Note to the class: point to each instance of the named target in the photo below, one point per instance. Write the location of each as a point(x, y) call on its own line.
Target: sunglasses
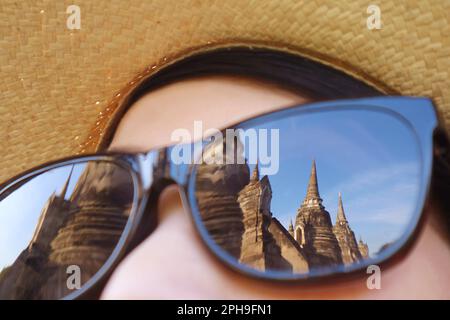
point(307, 193)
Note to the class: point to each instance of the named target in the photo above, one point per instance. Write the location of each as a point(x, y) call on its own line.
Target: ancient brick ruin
point(79, 229)
point(235, 209)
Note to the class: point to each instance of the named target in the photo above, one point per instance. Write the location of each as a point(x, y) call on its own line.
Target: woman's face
point(173, 263)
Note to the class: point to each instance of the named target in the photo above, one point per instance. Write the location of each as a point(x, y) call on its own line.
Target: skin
point(173, 263)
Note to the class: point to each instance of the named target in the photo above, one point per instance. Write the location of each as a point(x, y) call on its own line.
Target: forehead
point(217, 101)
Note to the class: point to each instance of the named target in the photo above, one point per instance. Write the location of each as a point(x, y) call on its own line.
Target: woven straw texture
point(59, 87)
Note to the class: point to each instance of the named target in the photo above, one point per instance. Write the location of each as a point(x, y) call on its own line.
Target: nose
point(167, 263)
point(169, 204)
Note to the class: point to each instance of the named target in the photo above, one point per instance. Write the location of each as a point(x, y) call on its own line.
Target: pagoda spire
point(63, 192)
point(255, 173)
point(312, 192)
point(291, 229)
point(340, 212)
point(313, 188)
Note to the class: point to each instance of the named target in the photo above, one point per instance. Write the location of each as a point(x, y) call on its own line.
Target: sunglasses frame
point(143, 217)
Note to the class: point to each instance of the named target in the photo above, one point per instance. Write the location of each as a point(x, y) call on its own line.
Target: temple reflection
point(81, 228)
point(235, 207)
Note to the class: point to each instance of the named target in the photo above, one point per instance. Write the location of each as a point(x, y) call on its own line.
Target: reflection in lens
point(59, 227)
point(367, 165)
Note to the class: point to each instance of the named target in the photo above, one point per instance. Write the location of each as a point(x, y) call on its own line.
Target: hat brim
point(60, 87)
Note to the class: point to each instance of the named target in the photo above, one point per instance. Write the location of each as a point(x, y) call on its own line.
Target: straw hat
point(60, 87)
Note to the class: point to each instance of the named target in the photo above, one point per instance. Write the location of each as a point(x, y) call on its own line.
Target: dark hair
point(310, 78)
point(304, 76)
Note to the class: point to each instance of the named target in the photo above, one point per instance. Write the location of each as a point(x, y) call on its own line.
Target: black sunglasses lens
point(314, 193)
point(59, 227)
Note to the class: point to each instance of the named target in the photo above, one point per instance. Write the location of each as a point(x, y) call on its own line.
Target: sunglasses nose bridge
point(158, 171)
